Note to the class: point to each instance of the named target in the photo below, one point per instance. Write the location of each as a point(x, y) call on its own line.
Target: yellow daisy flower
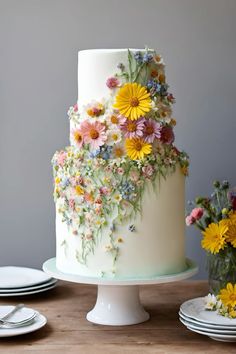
point(79, 190)
point(214, 236)
point(133, 101)
point(137, 148)
point(57, 180)
point(228, 295)
point(232, 313)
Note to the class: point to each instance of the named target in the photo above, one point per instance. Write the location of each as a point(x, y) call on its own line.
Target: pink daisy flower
point(77, 137)
point(93, 133)
point(152, 130)
point(133, 128)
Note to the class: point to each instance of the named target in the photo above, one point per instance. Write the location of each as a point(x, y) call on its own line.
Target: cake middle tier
point(151, 243)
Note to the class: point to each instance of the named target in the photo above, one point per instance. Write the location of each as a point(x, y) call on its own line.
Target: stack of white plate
point(18, 281)
point(194, 316)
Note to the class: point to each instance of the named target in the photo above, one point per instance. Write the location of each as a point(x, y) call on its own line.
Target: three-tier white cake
point(119, 187)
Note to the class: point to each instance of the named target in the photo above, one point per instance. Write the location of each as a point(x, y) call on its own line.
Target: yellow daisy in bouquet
point(215, 216)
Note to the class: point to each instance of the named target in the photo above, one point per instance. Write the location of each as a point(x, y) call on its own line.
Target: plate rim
point(39, 286)
point(205, 324)
point(29, 292)
point(25, 269)
point(213, 334)
point(211, 330)
point(28, 329)
point(197, 318)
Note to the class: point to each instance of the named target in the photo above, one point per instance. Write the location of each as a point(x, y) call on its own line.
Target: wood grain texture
point(68, 331)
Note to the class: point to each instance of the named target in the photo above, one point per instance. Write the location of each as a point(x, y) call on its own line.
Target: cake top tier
point(95, 66)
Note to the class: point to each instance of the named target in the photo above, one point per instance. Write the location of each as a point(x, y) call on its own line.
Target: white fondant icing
point(95, 67)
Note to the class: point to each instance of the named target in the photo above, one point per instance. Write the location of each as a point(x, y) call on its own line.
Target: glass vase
point(221, 269)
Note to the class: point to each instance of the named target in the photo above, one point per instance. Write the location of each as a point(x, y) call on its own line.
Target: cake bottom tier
point(156, 246)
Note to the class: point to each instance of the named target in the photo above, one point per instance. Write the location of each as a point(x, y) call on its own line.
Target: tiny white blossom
point(210, 302)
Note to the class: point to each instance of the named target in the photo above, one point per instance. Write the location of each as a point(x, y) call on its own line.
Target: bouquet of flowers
point(215, 216)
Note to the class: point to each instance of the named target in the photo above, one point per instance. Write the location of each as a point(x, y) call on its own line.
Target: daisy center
point(114, 120)
point(134, 102)
point(131, 126)
point(137, 146)
point(232, 297)
point(78, 137)
point(118, 152)
point(115, 137)
point(149, 130)
point(94, 134)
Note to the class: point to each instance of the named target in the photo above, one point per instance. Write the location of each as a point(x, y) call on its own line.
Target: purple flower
point(152, 130)
point(167, 135)
point(133, 128)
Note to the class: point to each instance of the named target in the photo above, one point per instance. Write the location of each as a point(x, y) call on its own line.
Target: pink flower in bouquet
point(93, 133)
point(75, 107)
point(197, 213)
point(61, 158)
point(133, 128)
point(190, 220)
point(112, 82)
point(167, 135)
point(152, 130)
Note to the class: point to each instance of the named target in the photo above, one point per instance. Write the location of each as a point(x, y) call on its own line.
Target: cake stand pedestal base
point(118, 301)
point(118, 306)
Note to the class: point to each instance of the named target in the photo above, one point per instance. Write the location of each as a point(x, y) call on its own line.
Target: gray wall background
point(39, 41)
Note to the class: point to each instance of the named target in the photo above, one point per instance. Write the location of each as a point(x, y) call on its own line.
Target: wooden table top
point(68, 331)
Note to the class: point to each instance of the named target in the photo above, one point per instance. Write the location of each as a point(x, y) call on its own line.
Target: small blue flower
point(147, 58)
point(126, 190)
point(138, 57)
point(65, 182)
point(163, 89)
point(105, 152)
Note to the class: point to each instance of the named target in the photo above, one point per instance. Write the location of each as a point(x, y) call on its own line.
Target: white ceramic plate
point(21, 315)
point(22, 293)
point(207, 325)
point(208, 330)
point(216, 336)
point(38, 322)
point(29, 288)
point(18, 277)
point(194, 309)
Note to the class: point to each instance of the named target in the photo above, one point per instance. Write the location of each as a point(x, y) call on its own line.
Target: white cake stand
point(118, 301)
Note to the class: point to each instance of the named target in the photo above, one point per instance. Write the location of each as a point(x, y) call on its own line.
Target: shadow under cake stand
point(118, 302)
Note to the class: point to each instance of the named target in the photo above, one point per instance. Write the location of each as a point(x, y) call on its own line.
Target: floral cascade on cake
point(118, 145)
